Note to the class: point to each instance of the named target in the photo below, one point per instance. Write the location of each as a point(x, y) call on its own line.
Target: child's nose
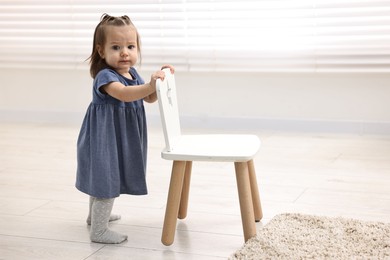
point(124, 52)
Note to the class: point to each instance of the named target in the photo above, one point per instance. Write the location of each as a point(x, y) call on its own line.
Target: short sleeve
point(104, 77)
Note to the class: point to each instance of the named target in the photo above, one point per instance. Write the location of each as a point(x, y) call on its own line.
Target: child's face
point(120, 50)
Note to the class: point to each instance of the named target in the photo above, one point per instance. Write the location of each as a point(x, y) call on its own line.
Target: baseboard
point(288, 125)
point(50, 117)
point(234, 123)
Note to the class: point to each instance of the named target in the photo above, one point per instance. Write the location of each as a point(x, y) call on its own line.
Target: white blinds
point(201, 35)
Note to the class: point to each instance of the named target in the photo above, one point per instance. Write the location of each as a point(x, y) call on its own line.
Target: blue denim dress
point(112, 144)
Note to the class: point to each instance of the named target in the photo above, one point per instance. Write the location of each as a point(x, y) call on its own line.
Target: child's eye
point(116, 48)
point(131, 47)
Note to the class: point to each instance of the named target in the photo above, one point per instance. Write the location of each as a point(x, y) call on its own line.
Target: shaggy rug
point(298, 236)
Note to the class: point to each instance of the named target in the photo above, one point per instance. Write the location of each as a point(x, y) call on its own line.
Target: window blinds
point(200, 35)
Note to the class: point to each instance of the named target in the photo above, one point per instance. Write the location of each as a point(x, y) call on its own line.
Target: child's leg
point(113, 217)
point(101, 211)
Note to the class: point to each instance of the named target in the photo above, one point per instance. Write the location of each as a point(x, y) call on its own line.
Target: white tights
point(100, 215)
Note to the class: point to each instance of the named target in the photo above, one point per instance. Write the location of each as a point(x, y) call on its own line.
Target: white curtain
point(201, 35)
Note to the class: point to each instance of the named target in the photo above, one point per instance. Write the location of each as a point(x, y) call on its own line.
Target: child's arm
point(133, 93)
point(153, 97)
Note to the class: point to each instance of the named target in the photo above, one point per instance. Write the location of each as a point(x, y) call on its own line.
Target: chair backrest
point(169, 113)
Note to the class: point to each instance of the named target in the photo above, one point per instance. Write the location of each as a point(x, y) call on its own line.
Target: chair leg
point(245, 197)
point(173, 202)
point(255, 192)
point(185, 191)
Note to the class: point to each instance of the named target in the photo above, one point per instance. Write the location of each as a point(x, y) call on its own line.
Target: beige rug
point(297, 236)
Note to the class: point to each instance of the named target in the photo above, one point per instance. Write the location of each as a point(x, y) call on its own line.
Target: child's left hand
point(168, 66)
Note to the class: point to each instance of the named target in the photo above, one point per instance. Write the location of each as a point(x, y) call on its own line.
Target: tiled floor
point(42, 215)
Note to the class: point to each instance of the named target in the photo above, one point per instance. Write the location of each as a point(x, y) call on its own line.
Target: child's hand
point(168, 66)
point(160, 75)
point(157, 75)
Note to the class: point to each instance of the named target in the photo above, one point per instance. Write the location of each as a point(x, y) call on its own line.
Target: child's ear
point(100, 51)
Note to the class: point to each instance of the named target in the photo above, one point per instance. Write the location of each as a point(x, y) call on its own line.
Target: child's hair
point(99, 38)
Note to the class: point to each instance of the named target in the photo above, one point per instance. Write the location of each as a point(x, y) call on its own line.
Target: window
point(200, 35)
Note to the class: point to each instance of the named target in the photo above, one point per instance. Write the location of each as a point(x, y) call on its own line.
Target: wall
point(357, 103)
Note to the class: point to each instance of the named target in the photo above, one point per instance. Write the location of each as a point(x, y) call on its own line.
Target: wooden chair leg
point(255, 192)
point(245, 197)
point(185, 191)
point(172, 208)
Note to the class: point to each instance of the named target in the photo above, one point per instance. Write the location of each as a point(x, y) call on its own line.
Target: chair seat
point(213, 147)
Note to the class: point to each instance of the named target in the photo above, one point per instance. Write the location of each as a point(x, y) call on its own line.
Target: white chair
point(184, 149)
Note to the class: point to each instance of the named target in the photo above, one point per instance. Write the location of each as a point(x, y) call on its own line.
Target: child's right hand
point(157, 75)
